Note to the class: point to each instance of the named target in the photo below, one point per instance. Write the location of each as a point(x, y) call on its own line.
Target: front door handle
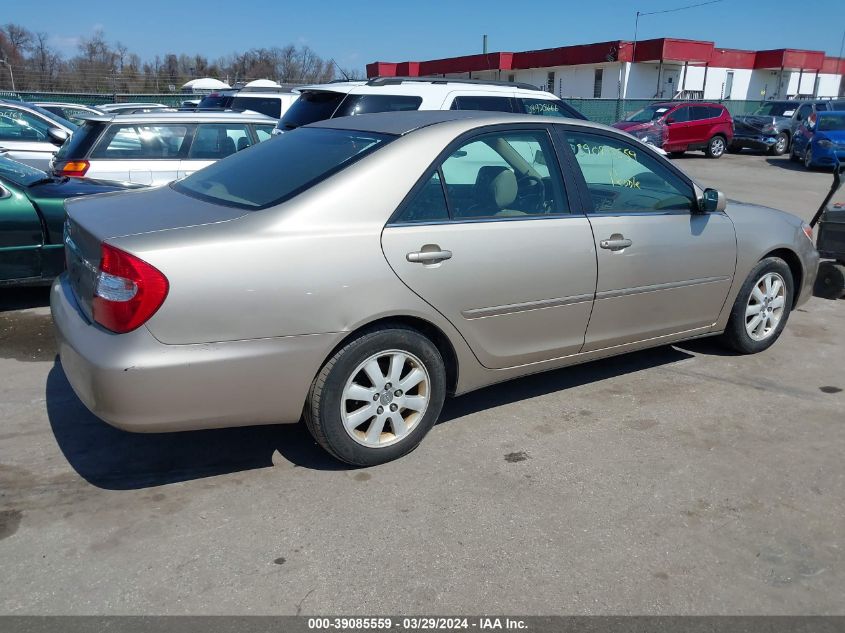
point(615, 242)
point(428, 257)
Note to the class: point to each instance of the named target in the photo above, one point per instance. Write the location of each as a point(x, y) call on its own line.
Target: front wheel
point(715, 147)
point(780, 146)
point(376, 398)
point(761, 308)
point(808, 158)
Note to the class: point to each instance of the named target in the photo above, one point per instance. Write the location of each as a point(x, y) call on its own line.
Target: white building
point(660, 68)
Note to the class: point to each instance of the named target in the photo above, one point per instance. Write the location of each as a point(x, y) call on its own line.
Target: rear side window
point(81, 141)
point(141, 142)
point(549, 107)
point(489, 104)
point(428, 204)
point(364, 104)
point(265, 105)
point(271, 173)
point(219, 140)
point(310, 107)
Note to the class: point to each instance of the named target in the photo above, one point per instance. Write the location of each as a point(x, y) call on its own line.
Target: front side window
point(488, 104)
point(20, 125)
point(507, 174)
point(134, 141)
point(273, 172)
point(218, 140)
point(622, 178)
point(681, 115)
point(365, 104)
point(263, 132)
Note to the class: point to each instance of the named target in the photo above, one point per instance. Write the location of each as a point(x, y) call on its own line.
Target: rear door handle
point(615, 243)
point(428, 257)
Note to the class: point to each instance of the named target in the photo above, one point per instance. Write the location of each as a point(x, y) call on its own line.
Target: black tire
point(781, 145)
point(808, 159)
point(677, 154)
point(830, 282)
point(793, 156)
point(734, 149)
point(323, 410)
point(735, 336)
point(716, 146)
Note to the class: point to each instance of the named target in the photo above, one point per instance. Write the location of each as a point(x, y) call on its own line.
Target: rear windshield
point(311, 106)
point(55, 117)
point(832, 122)
point(271, 106)
point(777, 109)
point(365, 104)
point(80, 141)
point(281, 168)
point(215, 101)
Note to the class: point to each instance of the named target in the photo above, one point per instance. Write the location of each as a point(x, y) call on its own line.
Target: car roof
point(428, 85)
point(181, 117)
point(401, 123)
point(64, 104)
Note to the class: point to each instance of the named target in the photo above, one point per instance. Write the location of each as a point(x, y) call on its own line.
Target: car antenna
point(342, 72)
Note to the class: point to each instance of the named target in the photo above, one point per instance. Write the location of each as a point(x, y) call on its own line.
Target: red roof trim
point(654, 50)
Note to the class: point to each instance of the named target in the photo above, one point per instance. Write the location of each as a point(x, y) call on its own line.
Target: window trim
point(584, 191)
point(569, 183)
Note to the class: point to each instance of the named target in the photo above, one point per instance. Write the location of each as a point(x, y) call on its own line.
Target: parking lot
point(679, 480)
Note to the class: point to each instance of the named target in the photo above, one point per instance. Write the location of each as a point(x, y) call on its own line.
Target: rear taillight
point(129, 291)
point(75, 168)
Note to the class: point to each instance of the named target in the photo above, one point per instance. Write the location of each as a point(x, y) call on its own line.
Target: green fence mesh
point(599, 110)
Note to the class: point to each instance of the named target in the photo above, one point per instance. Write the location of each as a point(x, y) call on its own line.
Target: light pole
point(11, 74)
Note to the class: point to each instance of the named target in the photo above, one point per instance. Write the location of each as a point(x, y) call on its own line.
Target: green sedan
point(32, 218)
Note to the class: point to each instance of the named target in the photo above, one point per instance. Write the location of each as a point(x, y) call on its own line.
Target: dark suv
point(772, 126)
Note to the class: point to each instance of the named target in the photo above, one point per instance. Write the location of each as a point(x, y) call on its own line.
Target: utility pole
point(11, 74)
point(484, 44)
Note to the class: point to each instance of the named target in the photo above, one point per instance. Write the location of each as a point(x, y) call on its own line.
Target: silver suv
point(156, 148)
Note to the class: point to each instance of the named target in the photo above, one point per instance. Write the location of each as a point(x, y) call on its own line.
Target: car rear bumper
point(136, 383)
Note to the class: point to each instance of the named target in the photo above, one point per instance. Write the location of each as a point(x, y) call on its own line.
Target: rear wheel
point(377, 397)
point(761, 308)
point(715, 147)
point(780, 146)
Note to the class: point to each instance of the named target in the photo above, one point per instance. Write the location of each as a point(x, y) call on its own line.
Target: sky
point(356, 33)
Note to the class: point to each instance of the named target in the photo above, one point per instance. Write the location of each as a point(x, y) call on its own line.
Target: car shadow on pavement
point(109, 458)
point(112, 459)
point(24, 298)
point(559, 379)
point(784, 163)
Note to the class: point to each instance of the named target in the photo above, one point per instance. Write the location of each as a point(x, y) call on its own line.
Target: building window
point(597, 83)
point(550, 82)
point(729, 84)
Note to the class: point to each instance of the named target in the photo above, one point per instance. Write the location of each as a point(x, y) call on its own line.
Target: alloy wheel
point(385, 398)
point(765, 307)
point(780, 146)
point(717, 146)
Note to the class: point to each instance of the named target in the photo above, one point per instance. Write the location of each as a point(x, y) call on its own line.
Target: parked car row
point(776, 127)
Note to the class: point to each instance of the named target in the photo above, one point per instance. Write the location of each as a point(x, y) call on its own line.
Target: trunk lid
point(92, 221)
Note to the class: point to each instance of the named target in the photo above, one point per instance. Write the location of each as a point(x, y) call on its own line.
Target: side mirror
point(669, 121)
point(714, 201)
point(57, 135)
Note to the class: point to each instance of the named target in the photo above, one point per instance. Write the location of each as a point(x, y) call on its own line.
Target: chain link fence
point(609, 111)
point(599, 110)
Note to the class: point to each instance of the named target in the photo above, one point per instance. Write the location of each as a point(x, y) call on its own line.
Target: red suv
point(678, 126)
